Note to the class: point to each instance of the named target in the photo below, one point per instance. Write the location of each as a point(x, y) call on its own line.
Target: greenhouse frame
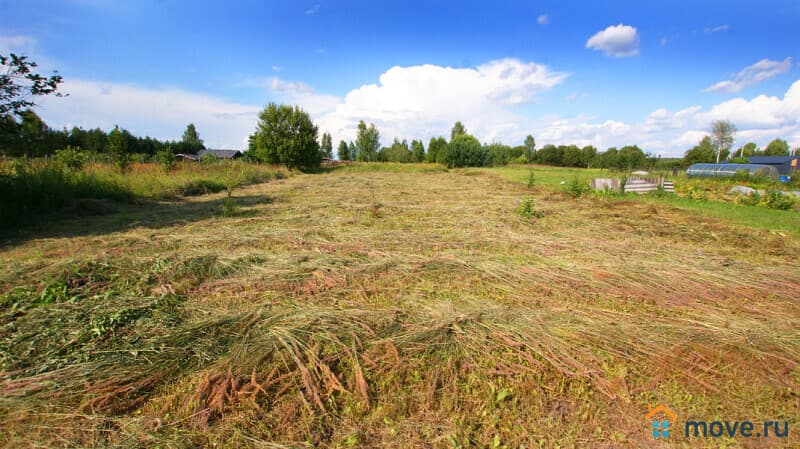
point(727, 170)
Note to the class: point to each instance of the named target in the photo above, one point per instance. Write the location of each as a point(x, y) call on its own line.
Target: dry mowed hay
point(395, 308)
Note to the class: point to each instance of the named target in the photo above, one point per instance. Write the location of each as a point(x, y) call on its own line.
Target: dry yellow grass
point(361, 308)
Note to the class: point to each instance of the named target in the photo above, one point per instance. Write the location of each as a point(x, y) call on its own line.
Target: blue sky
point(603, 73)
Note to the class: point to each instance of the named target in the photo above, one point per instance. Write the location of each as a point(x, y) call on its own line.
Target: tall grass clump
point(30, 189)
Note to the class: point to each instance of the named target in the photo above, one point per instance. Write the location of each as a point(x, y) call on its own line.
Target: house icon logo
point(660, 418)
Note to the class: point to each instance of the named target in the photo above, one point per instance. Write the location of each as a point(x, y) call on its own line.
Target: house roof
point(776, 160)
point(223, 154)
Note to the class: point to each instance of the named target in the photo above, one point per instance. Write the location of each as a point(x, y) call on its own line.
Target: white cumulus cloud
point(759, 119)
point(617, 40)
point(752, 74)
point(422, 101)
point(158, 112)
point(543, 19)
point(425, 100)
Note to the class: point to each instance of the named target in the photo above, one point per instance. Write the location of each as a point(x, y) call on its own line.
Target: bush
point(527, 208)
point(520, 160)
point(208, 158)
point(72, 158)
point(122, 161)
point(775, 199)
point(465, 151)
point(166, 158)
point(752, 199)
point(576, 188)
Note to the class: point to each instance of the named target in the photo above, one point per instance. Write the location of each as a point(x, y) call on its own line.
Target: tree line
point(286, 135)
point(29, 135)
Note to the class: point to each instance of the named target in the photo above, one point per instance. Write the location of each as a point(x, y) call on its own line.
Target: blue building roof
point(771, 160)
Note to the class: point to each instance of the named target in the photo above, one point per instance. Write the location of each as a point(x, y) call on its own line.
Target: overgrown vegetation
point(30, 191)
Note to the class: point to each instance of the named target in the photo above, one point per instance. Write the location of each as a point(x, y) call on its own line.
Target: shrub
point(166, 158)
point(122, 161)
point(527, 208)
point(72, 158)
point(576, 188)
point(775, 199)
point(752, 199)
point(208, 158)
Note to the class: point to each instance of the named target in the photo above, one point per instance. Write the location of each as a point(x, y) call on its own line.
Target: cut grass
point(396, 308)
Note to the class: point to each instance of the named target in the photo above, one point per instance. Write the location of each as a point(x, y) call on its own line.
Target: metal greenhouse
point(731, 169)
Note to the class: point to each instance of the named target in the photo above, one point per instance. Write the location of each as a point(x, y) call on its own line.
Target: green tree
point(703, 152)
point(465, 151)
point(777, 147)
point(397, 152)
point(118, 148)
point(417, 151)
point(530, 148)
point(19, 83)
point(343, 152)
point(436, 150)
point(326, 146)
point(33, 133)
point(722, 132)
point(353, 150)
point(286, 135)
point(166, 158)
point(458, 130)
point(588, 155)
point(607, 159)
point(549, 155)
point(630, 157)
point(499, 154)
point(368, 140)
point(72, 158)
point(748, 149)
point(571, 156)
point(192, 139)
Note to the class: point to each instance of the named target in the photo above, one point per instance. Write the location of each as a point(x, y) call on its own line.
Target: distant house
point(785, 165)
point(187, 157)
point(221, 154)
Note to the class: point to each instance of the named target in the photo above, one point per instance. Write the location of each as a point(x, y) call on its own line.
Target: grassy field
point(397, 306)
point(714, 200)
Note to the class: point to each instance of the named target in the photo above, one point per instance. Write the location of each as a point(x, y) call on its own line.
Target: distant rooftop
point(222, 154)
point(771, 159)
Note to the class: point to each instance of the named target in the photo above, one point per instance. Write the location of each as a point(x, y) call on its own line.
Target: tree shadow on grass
point(87, 217)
